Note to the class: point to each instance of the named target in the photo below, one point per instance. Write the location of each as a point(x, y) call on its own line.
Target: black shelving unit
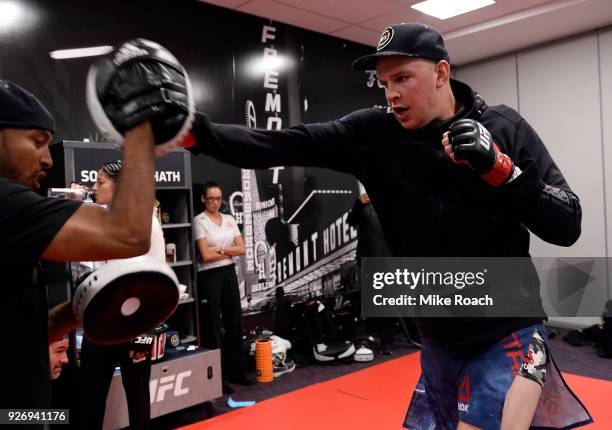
point(79, 161)
point(176, 213)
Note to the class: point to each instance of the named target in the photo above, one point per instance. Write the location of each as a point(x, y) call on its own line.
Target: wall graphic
point(293, 219)
point(245, 70)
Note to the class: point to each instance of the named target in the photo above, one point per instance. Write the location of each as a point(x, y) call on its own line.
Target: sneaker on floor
point(287, 367)
point(227, 388)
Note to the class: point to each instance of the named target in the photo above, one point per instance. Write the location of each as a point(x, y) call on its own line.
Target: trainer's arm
point(94, 233)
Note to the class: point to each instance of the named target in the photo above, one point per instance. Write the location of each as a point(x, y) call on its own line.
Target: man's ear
point(443, 73)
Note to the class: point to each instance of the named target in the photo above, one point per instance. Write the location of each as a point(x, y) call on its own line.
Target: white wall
point(495, 80)
point(559, 95)
point(605, 65)
point(564, 92)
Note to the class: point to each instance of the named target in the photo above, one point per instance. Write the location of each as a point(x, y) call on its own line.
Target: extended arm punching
point(327, 145)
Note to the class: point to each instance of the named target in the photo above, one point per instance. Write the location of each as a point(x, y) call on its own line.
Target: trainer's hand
point(469, 142)
point(138, 82)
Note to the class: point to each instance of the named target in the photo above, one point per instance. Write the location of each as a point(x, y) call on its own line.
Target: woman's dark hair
point(207, 186)
point(112, 169)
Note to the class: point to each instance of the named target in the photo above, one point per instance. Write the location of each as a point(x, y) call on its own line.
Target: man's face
point(410, 88)
point(24, 155)
point(58, 357)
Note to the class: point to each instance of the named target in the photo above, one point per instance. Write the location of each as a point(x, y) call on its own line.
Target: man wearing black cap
point(474, 179)
point(33, 227)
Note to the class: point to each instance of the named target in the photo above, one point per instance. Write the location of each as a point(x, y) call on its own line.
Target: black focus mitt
point(141, 81)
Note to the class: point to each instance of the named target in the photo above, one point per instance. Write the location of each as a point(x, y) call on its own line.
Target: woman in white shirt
point(98, 362)
point(218, 240)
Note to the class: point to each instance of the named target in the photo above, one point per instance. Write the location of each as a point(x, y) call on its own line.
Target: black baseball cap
point(20, 109)
point(409, 40)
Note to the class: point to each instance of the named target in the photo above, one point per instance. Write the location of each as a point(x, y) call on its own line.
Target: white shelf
point(188, 339)
point(181, 263)
point(176, 225)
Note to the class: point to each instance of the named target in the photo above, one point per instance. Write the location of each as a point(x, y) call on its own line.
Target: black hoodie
point(440, 208)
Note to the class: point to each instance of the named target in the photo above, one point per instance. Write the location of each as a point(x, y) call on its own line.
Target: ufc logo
point(143, 340)
point(173, 383)
point(485, 137)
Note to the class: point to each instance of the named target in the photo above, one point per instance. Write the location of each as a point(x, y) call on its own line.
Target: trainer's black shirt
point(445, 209)
point(28, 223)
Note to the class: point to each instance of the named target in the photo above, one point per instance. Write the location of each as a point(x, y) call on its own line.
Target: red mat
point(373, 398)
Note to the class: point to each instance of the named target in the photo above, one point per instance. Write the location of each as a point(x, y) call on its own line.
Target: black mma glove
point(141, 81)
point(471, 143)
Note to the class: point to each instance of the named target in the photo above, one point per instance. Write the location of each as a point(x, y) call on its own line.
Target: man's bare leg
point(520, 405)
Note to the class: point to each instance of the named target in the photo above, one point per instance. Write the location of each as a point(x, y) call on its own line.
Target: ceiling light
point(9, 13)
point(92, 51)
point(275, 63)
point(444, 9)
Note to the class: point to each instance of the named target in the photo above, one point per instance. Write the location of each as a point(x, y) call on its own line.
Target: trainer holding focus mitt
point(34, 228)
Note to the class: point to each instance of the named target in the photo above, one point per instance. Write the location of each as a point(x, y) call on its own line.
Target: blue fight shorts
point(470, 386)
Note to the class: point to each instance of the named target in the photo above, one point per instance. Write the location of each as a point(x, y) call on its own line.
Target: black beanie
point(20, 109)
